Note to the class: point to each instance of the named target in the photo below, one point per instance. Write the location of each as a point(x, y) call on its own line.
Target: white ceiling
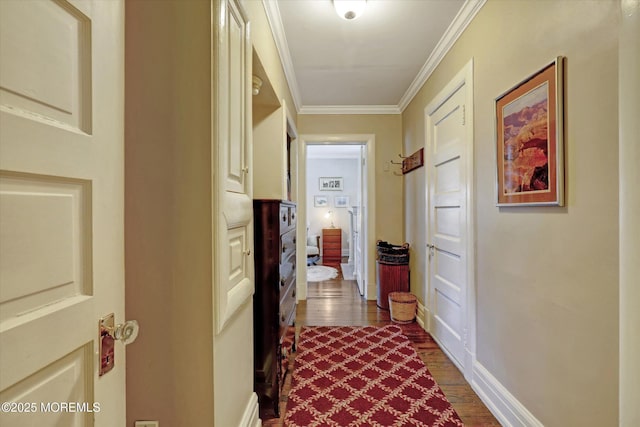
point(334, 151)
point(374, 64)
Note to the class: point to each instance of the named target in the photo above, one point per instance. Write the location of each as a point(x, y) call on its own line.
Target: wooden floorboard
point(337, 302)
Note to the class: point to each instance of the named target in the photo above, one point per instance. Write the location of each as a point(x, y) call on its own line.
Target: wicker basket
point(392, 254)
point(403, 307)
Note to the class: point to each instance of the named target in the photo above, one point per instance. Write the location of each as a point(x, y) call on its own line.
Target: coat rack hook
point(398, 163)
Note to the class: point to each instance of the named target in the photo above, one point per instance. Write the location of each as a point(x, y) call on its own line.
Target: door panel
point(235, 50)
point(61, 207)
point(448, 223)
point(448, 309)
point(237, 256)
point(45, 227)
point(234, 283)
point(71, 377)
point(447, 175)
point(448, 268)
point(56, 37)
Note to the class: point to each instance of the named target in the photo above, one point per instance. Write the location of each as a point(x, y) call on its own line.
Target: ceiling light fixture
point(349, 9)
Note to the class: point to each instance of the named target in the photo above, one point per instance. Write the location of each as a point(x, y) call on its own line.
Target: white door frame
point(368, 140)
point(463, 78)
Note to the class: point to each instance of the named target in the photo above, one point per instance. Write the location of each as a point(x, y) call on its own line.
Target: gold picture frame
point(529, 140)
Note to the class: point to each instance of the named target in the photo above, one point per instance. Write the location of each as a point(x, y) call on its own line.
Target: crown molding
point(464, 17)
point(275, 22)
point(349, 109)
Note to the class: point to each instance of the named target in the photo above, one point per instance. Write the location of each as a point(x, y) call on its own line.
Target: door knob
point(126, 332)
point(108, 333)
point(432, 249)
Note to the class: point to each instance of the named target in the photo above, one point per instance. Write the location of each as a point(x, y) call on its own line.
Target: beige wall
point(179, 372)
point(265, 47)
point(547, 277)
point(388, 132)
point(168, 212)
point(629, 104)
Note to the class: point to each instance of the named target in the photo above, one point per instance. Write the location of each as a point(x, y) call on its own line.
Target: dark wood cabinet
point(274, 301)
point(331, 245)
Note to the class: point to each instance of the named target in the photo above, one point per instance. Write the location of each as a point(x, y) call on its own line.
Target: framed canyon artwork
point(529, 137)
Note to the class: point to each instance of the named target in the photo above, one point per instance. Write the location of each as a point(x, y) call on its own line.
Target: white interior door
point(447, 159)
point(61, 210)
point(234, 263)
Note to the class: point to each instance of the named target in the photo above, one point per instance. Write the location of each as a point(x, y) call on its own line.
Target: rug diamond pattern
point(363, 376)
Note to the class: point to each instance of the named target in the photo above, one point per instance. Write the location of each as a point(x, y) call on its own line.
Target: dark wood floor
point(338, 303)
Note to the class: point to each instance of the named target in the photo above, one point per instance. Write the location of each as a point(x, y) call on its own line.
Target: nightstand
point(331, 245)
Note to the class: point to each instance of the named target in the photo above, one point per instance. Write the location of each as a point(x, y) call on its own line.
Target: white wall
point(348, 170)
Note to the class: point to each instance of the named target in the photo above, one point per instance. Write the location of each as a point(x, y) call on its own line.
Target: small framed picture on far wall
point(341, 201)
point(331, 183)
point(320, 201)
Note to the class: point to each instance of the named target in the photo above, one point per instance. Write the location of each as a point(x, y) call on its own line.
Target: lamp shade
point(349, 9)
point(329, 216)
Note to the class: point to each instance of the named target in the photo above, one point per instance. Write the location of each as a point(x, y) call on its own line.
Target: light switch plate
point(147, 424)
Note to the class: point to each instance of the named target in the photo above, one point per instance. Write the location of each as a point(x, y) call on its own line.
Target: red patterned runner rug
point(363, 376)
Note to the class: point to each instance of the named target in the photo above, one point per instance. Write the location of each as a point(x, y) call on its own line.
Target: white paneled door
point(448, 157)
point(61, 210)
point(234, 284)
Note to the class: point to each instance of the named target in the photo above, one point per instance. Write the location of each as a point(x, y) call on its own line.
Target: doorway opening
point(335, 182)
point(335, 203)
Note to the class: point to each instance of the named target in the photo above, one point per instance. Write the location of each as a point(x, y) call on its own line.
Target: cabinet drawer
point(331, 251)
point(284, 218)
point(332, 242)
point(287, 244)
point(332, 231)
point(287, 218)
point(292, 216)
point(286, 315)
point(331, 245)
point(288, 270)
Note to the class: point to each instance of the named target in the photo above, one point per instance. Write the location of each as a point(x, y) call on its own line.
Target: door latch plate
point(106, 343)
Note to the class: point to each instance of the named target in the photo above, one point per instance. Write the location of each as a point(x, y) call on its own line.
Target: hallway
point(337, 303)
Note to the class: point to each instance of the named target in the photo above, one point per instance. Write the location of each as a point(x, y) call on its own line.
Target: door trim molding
point(464, 77)
point(368, 140)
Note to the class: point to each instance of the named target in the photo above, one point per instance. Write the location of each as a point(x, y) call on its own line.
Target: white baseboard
point(251, 417)
point(504, 406)
point(420, 316)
